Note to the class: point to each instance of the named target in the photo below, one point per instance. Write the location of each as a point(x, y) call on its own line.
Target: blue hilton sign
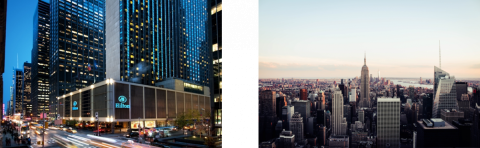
point(75, 107)
point(122, 100)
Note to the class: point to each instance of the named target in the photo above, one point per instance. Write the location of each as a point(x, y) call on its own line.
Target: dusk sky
point(328, 39)
point(19, 39)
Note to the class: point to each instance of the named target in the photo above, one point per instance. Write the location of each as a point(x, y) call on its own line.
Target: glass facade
point(164, 39)
point(40, 58)
point(77, 51)
point(216, 22)
point(27, 89)
point(18, 87)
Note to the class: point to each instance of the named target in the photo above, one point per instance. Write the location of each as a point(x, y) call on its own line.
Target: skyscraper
point(303, 94)
point(27, 89)
point(77, 46)
point(388, 122)
point(461, 89)
point(216, 38)
point(444, 91)
point(296, 126)
point(18, 91)
point(267, 114)
point(337, 114)
point(40, 58)
point(158, 41)
point(364, 87)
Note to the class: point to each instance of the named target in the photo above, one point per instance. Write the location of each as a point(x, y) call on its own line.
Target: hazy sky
point(401, 39)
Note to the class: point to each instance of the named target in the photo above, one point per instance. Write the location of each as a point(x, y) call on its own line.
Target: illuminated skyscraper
point(77, 46)
point(364, 87)
point(150, 42)
point(444, 91)
point(41, 58)
point(27, 89)
point(216, 38)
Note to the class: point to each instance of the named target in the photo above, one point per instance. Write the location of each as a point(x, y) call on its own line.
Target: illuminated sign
point(122, 100)
point(148, 124)
point(75, 107)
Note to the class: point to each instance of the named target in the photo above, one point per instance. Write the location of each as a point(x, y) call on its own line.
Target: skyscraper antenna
point(365, 58)
point(439, 54)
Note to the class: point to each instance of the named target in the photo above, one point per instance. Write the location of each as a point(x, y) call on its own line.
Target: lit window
point(215, 47)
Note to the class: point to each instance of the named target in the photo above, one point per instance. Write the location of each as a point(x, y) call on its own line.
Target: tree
point(210, 141)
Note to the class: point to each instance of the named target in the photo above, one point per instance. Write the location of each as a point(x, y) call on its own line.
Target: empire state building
point(364, 87)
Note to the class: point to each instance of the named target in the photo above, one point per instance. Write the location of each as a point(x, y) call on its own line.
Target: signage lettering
point(75, 107)
point(122, 100)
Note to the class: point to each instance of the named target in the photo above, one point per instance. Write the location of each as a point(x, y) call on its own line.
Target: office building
point(322, 135)
point(3, 27)
point(361, 115)
point(267, 102)
point(340, 141)
point(287, 112)
point(445, 93)
point(427, 105)
point(321, 97)
point(464, 103)
point(464, 132)
point(388, 122)
point(216, 38)
point(302, 107)
point(432, 133)
point(41, 58)
point(338, 118)
point(286, 140)
point(268, 144)
point(77, 46)
point(296, 126)
point(267, 118)
point(451, 115)
point(27, 89)
point(461, 89)
point(17, 100)
point(411, 92)
point(279, 103)
point(475, 135)
point(303, 94)
point(364, 87)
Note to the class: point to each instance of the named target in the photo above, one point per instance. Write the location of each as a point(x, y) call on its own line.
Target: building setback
point(77, 46)
point(41, 58)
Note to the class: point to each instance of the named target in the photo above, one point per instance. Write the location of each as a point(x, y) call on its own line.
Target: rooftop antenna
point(440, 54)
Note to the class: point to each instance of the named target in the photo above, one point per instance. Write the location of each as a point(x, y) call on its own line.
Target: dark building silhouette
point(436, 133)
point(475, 135)
point(267, 115)
point(464, 129)
point(279, 103)
point(3, 27)
point(27, 89)
point(427, 105)
point(216, 39)
point(461, 89)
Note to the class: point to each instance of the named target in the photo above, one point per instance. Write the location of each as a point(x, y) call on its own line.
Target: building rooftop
point(447, 125)
point(388, 99)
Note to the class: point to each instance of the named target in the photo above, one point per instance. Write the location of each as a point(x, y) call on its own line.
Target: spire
point(365, 59)
point(440, 54)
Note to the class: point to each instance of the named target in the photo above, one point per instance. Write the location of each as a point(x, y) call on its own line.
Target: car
point(131, 135)
point(101, 131)
point(72, 131)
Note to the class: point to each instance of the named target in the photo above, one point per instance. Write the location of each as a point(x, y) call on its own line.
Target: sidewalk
point(13, 144)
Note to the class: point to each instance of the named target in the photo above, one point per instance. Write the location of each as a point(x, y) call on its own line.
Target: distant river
point(406, 83)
